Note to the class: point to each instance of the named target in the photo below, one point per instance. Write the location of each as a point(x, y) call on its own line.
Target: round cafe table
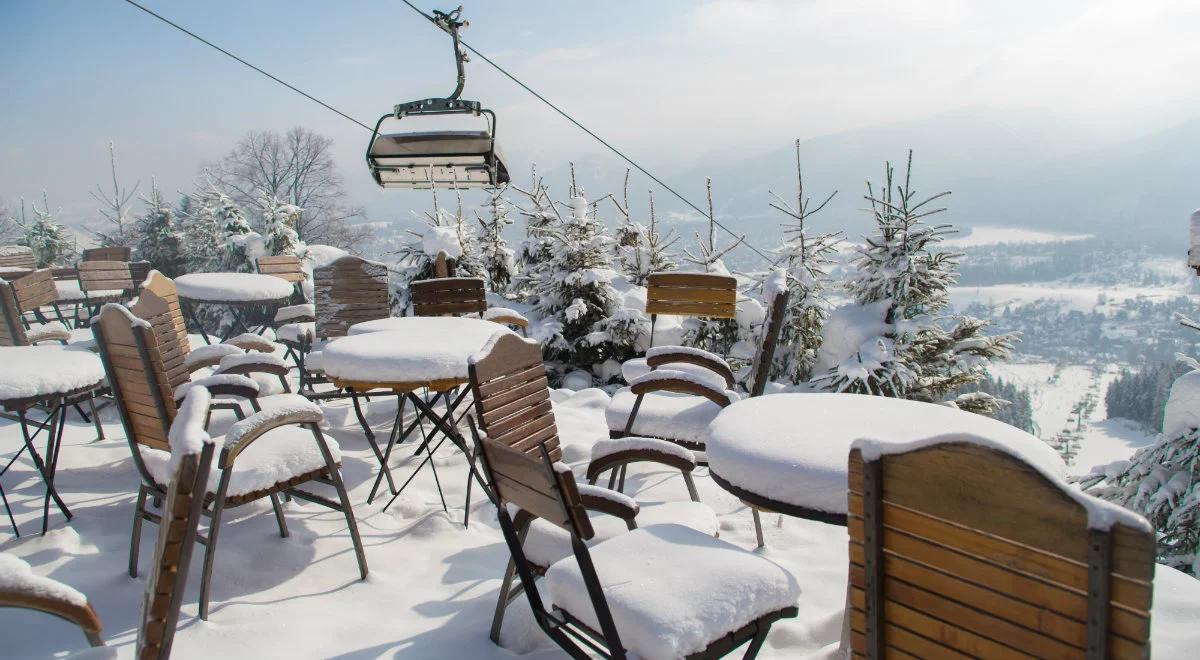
point(55, 378)
point(406, 355)
point(234, 291)
point(788, 453)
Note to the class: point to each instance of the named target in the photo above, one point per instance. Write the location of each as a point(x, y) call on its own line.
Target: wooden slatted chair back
point(158, 305)
point(286, 267)
point(959, 550)
point(692, 294)
point(106, 254)
point(760, 367)
point(177, 531)
point(35, 290)
point(138, 272)
point(350, 290)
point(448, 296)
point(144, 396)
point(17, 256)
point(12, 330)
point(520, 438)
point(104, 276)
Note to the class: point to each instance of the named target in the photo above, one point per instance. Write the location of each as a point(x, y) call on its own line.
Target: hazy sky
point(669, 81)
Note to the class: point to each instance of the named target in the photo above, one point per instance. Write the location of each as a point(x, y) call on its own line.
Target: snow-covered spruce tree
point(640, 249)
point(118, 231)
point(808, 256)
point(716, 335)
point(903, 279)
point(203, 240)
point(498, 260)
point(159, 239)
point(240, 244)
point(280, 220)
point(535, 252)
point(50, 241)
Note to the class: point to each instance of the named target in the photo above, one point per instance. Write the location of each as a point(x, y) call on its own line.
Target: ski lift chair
point(663, 590)
point(512, 404)
point(22, 588)
point(678, 402)
point(439, 159)
point(276, 450)
point(461, 295)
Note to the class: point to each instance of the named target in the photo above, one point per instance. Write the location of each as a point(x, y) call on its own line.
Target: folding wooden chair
point(695, 295)
point(960, 549)
point(17, 256)
point(512, 401)
point(22, 589)
point(685, 388)
point(606, 596)
point(101, 282)
point(283, 441)
point(184, 506)
point(289, 269)
point(106, 254)
point(453, 296)
point(139, 271)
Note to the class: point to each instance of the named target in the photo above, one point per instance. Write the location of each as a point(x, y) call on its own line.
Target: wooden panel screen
point(348, 291)
point(957, 550)
point(692, 294)
point(449, 295)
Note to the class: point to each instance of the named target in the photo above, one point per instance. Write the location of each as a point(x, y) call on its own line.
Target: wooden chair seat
point(296, 332)
point(654, 596)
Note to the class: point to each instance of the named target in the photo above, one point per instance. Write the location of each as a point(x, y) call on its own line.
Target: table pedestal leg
point(190, 311)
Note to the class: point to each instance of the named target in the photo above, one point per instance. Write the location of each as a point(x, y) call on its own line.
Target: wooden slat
point(521, 405)
point(692, 280)
point(506, 397)
point(671, 294)
point(692, 309)
point(529, 421)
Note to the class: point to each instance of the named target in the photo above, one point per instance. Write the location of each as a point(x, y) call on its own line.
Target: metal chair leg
point(336, 477)
point(502, 601)
point(139, 513)
point(756, 643)
point(283, 530)
point(96, 418)
point(210, 549)
point(758, 527)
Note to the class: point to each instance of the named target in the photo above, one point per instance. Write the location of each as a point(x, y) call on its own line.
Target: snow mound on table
point(1182, 413)
point(426, 349)
point(31, 371)
point(1102, 515)
point(17, 576)
point(665, 608)
point(232, 287)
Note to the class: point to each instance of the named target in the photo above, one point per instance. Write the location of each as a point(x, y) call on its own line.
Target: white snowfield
point(432, 586)
point(1009, 235)
point(232, 287)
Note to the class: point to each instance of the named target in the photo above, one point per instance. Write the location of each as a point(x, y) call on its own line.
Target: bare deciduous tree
point(296, 167)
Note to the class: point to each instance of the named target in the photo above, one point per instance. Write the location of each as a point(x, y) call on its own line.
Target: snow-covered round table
point(56, 377)
point(235, 291)
point(789, 453)
point(406, 355)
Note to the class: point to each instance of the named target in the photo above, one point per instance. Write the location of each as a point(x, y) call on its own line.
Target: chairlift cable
point(485, 58)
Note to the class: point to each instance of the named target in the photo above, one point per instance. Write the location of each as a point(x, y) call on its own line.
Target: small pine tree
point(640, 249)
point(115, 209)
point(238, 239)
point(280, 220)
point(716, 335)
point(50, 241)
point(498, 260)
point(203, 241)
point(809, 258)
point(159, 240)
point(536, 251)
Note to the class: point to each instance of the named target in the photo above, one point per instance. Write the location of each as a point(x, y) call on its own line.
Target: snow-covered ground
point(996, 235)
point(432, 585)
point(1081, 298)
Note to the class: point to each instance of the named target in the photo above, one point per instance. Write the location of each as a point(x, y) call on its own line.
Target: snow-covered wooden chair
point(453, 296)
point(99, 283)
point(17, 256)
point(348, 291)
point(289, 268)
point(21, 588)
point(273, 451)
point(685, 388)
point(244, 355)
point(27, 295)
point(139, 271)
point(958, 548)
point(191, 456)
point(694, 295)
point(106, 254)
point(512, 406)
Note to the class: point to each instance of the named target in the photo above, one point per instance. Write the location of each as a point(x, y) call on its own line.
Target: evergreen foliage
point(158, 236)
point(533, 257)
point(1141, 395)
point(50, 241)
point(498, 260)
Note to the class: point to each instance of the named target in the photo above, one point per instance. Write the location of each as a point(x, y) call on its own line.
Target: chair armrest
point(506, 316)
point(296, 313)
point(244, 432)
point(247, 363)
point(661, 355)
point(221, 385)
point(208, 356)
point(611, 453)
point(249, 341)
point(26, 590)
point(608, 501)
point(669, 380)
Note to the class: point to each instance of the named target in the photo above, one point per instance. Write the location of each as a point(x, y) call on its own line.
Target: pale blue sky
point(669, 81)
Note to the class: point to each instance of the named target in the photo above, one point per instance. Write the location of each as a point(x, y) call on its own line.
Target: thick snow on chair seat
point(667, 608)
point(208, 355)
point(546, 543)
point(69, 292)
point(663, 415)
point(52, 331)
point(637, 367)
point(305, 310)
point(502, 314)
point(293, 332)
point(278, 456)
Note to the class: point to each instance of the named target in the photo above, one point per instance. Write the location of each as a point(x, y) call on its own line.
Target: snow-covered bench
point(275, 450)
point(512, 404)
point(977, 551)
